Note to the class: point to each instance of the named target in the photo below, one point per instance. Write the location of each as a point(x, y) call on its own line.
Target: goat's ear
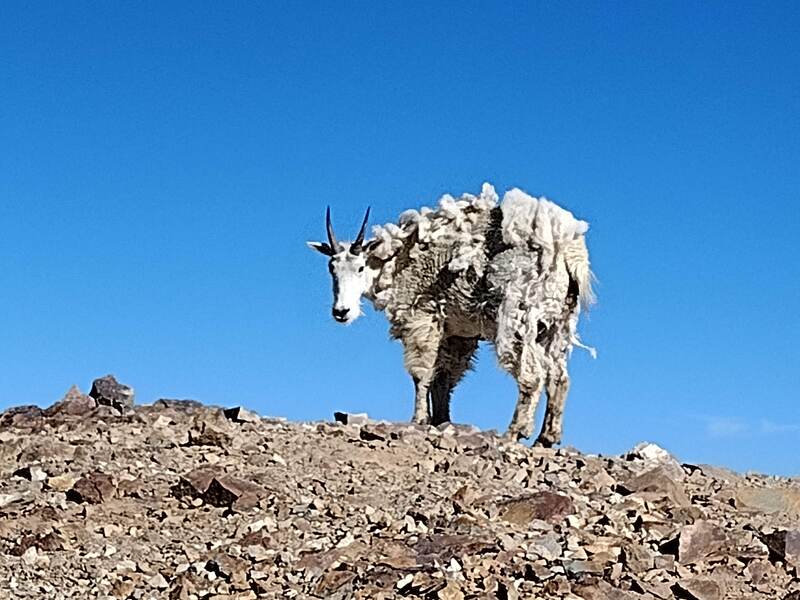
point(370, 244)
point(320, 247)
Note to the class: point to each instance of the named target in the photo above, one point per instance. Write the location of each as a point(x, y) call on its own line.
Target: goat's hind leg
point(421, 340)
point(557, 389)
point(453, 361)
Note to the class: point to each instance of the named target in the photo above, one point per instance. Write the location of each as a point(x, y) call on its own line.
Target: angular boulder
point(74, 403)
point(107, 391)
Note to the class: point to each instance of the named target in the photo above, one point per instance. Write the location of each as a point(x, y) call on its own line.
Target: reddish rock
point(229, 491)
point(217, 488)
point(131, 487)
point(441, 549)
point(196, 482)
point(48, 542)
point(92, 488)
point(544, 506)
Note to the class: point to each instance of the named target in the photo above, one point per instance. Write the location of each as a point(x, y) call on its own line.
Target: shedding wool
point(514, 272)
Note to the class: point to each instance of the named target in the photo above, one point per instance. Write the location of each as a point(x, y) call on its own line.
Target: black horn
point(331, 237)
point(355, 247)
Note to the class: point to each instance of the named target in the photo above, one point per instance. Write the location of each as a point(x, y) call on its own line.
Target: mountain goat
point(516, 275)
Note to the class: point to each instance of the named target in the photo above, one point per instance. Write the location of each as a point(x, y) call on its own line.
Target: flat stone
point(442, 549)
point(768, 500)
point(229, 491)
point(579, 567)
point(543, 506)
point(701, 588)
point(701, 540)
point(62, 483)
point(660, 481)
point(157, 581)
point(547, 546)
point(179, 404)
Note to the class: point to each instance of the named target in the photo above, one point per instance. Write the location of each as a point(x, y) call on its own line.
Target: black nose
point(340, 314)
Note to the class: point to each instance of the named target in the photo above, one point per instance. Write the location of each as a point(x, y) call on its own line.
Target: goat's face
point(349, 275)
point(348, 268)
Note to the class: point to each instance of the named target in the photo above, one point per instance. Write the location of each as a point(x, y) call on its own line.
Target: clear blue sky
point(163, 164)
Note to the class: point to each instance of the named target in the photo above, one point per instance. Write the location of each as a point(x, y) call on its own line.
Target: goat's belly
point(462, 326)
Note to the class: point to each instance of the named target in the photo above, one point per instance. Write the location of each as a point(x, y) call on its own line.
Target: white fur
point(526, 277)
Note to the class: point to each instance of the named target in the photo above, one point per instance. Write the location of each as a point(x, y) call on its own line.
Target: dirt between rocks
point(101, 498)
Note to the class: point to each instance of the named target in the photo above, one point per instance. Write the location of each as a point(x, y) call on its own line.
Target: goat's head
point(348, 268)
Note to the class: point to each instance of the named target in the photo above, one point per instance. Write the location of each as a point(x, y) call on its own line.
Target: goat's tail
point(576, 256)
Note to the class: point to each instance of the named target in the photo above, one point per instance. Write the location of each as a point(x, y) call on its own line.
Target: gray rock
point(769, 500)
point(32, 473)
point(658, 480)
point(701, 540)
point(107, 391)
point(74, 403)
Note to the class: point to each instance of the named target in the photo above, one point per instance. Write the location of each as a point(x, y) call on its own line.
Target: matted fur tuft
point(515, 273)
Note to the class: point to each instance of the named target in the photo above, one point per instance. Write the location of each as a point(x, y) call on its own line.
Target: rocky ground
point(101, 499)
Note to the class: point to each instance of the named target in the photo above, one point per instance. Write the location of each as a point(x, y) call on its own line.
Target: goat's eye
point(360, 269)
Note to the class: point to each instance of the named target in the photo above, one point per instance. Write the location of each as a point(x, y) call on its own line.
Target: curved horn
point(355, 247)
point(331, 237)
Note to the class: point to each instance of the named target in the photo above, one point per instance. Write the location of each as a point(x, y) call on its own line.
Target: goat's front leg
point(530, 381)
point(454, 360)
point(521, 426)
point(421, 346)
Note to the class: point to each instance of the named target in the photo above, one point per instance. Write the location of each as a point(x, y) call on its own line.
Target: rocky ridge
point(101, 498)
